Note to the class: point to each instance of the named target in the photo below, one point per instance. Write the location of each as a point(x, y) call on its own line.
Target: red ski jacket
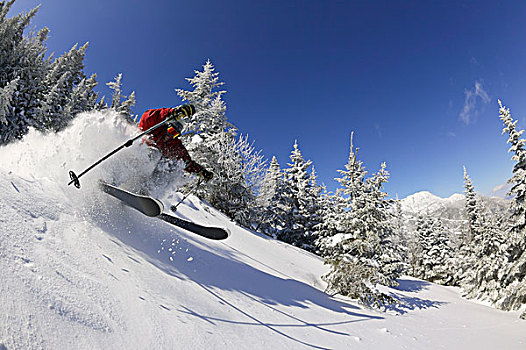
point(170, 146)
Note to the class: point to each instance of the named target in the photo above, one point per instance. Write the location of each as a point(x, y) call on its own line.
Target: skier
point(166, 140)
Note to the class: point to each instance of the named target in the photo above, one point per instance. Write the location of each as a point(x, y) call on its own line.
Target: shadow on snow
point(409, 285)
point(410, 303)
point(213, 272)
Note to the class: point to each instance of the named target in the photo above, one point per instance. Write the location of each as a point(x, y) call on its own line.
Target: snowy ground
point(80, 271)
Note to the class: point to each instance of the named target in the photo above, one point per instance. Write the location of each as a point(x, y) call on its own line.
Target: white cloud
point(501, 190)
point(469, 111)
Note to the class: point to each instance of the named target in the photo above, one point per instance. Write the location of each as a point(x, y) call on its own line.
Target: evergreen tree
point(212, 142)
point(207, 133)
point(390, 256)
point(465, 258)
point(484, 278)
point(36, 91)
point(313, 206)
point(472, 207)
point(360, 258)
point(230, 191)
point(209, 118)
point(117, 103)
point(436, 252)
point(6, 99)
point(400, 238)
point(302, 213)
point(62, 78)
point(414, 249)
point(22, 68)
point(83, 98)
point(270, 184)
point(332, 207)
point(398, 223)
point(272, 199)
point(514, 279)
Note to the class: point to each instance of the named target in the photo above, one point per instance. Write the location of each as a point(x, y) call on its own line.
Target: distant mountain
point(426, 203)
point(450, 210)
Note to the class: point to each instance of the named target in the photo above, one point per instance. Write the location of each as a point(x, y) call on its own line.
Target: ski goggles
point(175, 128)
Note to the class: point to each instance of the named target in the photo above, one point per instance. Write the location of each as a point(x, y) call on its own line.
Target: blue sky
point(417, 81)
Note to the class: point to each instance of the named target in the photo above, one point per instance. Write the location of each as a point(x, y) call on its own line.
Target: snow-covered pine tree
point(212, 142)
point(436, 252)
point(6, 98)
point(313, 205)
point(390, 256)
point(268, 198)
point(484, 280)
point(414, 247)
point(401, 237)
point(120, 102)
point(251, 165)
point(515, 273)
point(332, 206)
point(209, 118)
point(398, 223)
point(83, 98)
point(355, 260)
point(302, 213)
point(273, 199)
point(63, 75)
point(22, 68)
point(271, 181)
point(472, 207)
point(464, 258)
point(37, 92)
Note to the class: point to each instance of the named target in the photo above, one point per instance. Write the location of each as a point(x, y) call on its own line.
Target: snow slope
point(80, 271)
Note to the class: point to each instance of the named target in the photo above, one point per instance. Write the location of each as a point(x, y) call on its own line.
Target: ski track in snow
point(81, 271)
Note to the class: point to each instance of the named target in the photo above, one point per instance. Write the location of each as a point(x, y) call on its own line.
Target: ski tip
point(221, 234)
point(227, 231)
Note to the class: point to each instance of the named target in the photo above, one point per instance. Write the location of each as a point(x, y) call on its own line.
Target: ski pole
point(185, 110)
point(174, 207)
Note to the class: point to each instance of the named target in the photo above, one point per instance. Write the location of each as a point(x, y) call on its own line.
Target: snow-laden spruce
point(514, 281)
point(361, 255)
point(300, 198)
point(435, 252)
point(214, 143)
point(41, 92)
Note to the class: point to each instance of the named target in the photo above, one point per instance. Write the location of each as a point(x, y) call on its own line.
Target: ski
point(216, 233)
point(147, 205)
point(154, 208)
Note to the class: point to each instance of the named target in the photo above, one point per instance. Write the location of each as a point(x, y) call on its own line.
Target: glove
point(183, 111)
point(206, 175)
